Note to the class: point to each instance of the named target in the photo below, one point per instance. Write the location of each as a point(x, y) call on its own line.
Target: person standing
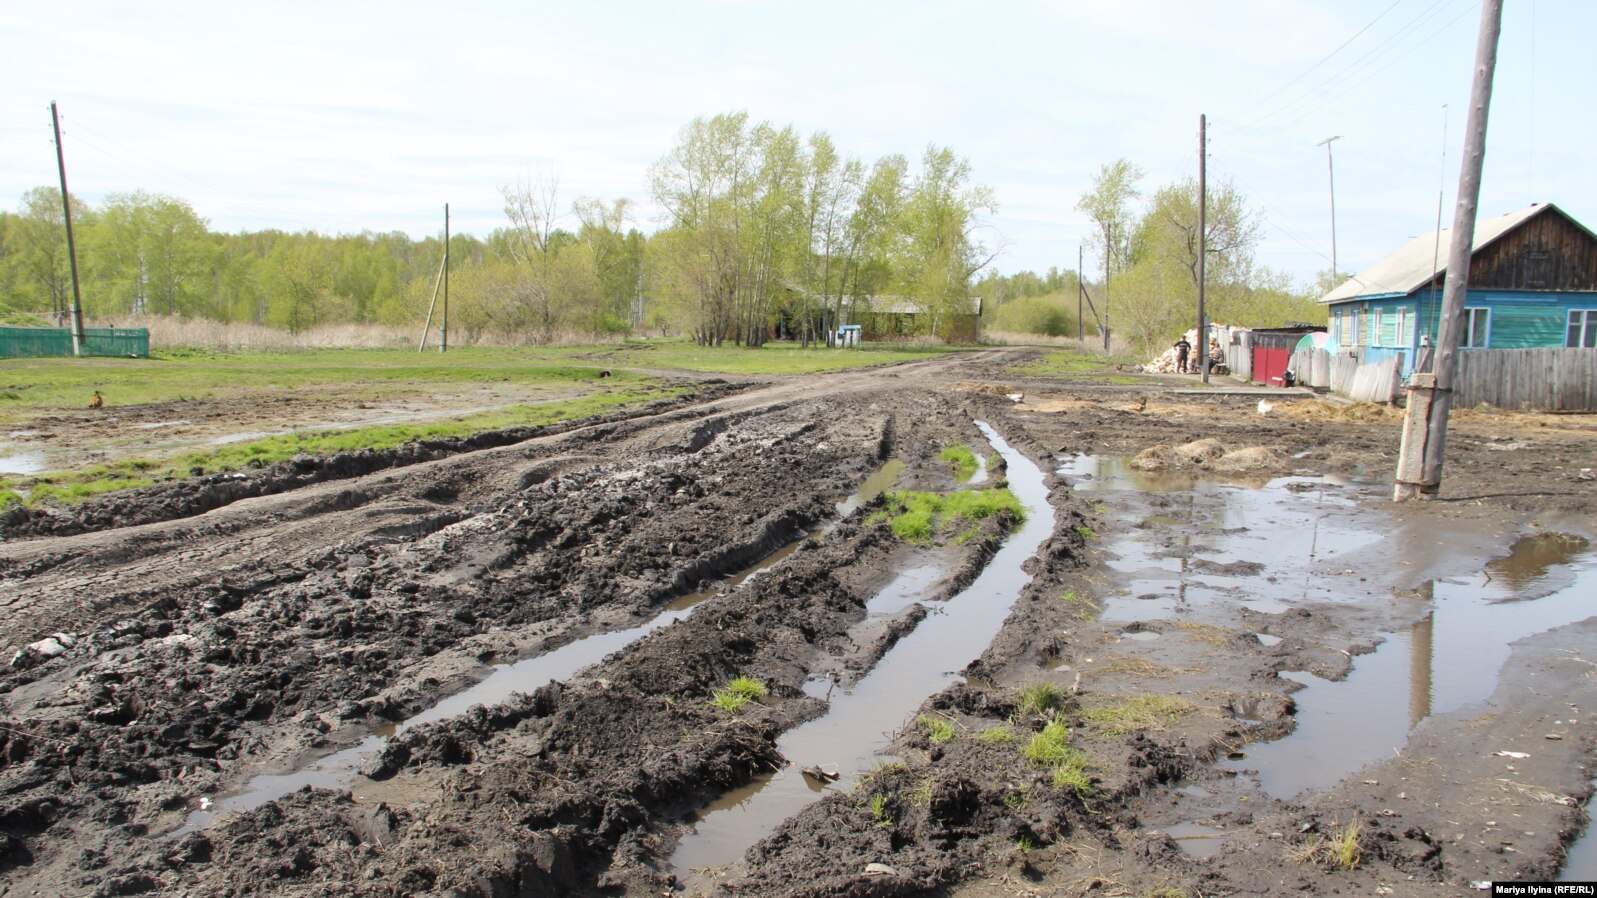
point(1183, 349)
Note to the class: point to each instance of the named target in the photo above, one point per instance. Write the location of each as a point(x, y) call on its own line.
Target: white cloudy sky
point(347, 116)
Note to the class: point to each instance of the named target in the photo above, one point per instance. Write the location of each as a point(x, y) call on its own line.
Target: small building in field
point(1532, 284)
point(888, 317)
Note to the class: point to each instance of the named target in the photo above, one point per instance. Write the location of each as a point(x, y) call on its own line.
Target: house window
point(1379, 337)
point(1477, 328)
point(1402, 327)
point(1582, 328)
point(1353, 327)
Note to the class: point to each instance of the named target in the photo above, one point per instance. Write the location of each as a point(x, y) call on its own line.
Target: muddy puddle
point(1196, 549)
point(861, 720)
point(1203, 543)
point(1446, 661)
point(14, 462)
point(338, 770)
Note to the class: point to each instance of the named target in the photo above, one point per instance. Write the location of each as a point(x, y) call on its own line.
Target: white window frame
point(1380, 325)
point(1402, 326)
point(1469, 339)
point(1587, 328)
point(1354, 328)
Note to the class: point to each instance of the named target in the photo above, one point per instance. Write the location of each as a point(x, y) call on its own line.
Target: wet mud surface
point(1156, 704)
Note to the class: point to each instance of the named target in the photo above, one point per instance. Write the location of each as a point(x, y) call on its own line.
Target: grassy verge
point(1072, 364)
point(77, 485)
point(961, 459)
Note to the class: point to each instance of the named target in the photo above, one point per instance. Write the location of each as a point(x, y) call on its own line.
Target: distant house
point(885, 317)
point(1532, 284)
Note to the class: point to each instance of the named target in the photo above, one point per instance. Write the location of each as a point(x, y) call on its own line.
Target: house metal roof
point(1413, 266)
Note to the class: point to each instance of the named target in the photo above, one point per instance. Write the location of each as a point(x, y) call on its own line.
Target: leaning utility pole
point(1081, 326)
point(72, 247)
point(1330, 168)
point(1431, 395)
point(1203, 243)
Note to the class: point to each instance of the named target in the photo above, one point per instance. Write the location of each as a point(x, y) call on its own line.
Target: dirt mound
point(1210, 455)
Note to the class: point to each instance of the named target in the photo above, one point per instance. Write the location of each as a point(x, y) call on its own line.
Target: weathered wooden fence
point(1550, 380)
point(1348, 375)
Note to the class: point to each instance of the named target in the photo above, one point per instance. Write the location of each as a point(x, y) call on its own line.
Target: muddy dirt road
point(510, 666)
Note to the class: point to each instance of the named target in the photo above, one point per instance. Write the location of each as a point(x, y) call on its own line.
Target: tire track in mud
point(302, 613)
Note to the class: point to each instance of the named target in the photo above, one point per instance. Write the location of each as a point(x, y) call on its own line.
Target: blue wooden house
point(1532, 284)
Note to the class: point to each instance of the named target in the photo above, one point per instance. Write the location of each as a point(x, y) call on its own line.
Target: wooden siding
point(1548, 252)
point(1562, 380)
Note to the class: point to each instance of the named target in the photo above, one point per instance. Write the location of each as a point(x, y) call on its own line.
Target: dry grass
point(1140, 713)
point(1208, 633)
point(1130, 665)
point(216, 336)
point(1339, 851)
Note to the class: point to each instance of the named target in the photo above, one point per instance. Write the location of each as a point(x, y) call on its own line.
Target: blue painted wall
point(1519, 319)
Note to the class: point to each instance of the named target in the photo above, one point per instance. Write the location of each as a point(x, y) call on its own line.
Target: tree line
point(766, 232)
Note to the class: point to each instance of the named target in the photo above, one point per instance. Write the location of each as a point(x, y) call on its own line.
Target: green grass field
point(550, 384)
point(1072, 364)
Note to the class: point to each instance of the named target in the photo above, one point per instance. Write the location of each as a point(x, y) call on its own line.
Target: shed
point(1532, 284)
point(886, 317)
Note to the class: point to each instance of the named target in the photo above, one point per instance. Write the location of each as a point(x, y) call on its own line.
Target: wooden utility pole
point(72, 247)
point(1431, 395)
point(1108, 254)
point(1203, 243)
point(443, 328)
point(1081, 326)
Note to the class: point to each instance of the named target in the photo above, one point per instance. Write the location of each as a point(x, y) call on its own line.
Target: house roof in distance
point(1414, 265)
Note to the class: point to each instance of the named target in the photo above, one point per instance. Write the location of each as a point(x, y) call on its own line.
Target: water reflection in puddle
point(859, 721)
point(1446, 661)
point(22, 463)
point(1266, 546)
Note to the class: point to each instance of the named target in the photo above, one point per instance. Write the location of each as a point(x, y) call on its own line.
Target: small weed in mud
point(961, 459)
point(997, 734)
point(1086, 533)
point(728, 701)
point(938, 729)
point(1040, 697)
point(880, 812)
point(921, 796)
point(1138, 713)
point(881, 768)
point(917, 517)
point(1168, 892)
point(748, 687)
point(1340, 851)
point(1072, 776)
point(1050, 746)
point(1139, 667)
point(1024, 845)
point(739, 692)
point(1017, 799)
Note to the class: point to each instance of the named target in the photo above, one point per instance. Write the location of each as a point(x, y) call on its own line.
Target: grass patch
point(1018, 799)
point(1040, 697)
point(997, 734)
point(1086, 533)
point(937, 729)
point(1050, 745)
point(1131, 665)
point(918, 517)
point(1341, 850)
point(1071, 776)
point(1138, 713)
point(737, 693)
point(1075, 365)
point(961, 459)
point(83, 483)
point(881, 812)
point(748, 687)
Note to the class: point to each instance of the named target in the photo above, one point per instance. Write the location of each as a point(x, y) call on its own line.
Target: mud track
point(215, 637)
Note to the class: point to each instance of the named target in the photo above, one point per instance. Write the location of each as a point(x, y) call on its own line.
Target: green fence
point(40, 342)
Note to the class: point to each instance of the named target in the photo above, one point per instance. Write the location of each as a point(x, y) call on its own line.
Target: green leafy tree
point(1108, 204)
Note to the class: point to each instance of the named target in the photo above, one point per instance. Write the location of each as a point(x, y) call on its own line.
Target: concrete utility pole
point(72, 247)
point(1203, 243)
point(1431, 395)
point(443, 325)
point(1331, 168)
